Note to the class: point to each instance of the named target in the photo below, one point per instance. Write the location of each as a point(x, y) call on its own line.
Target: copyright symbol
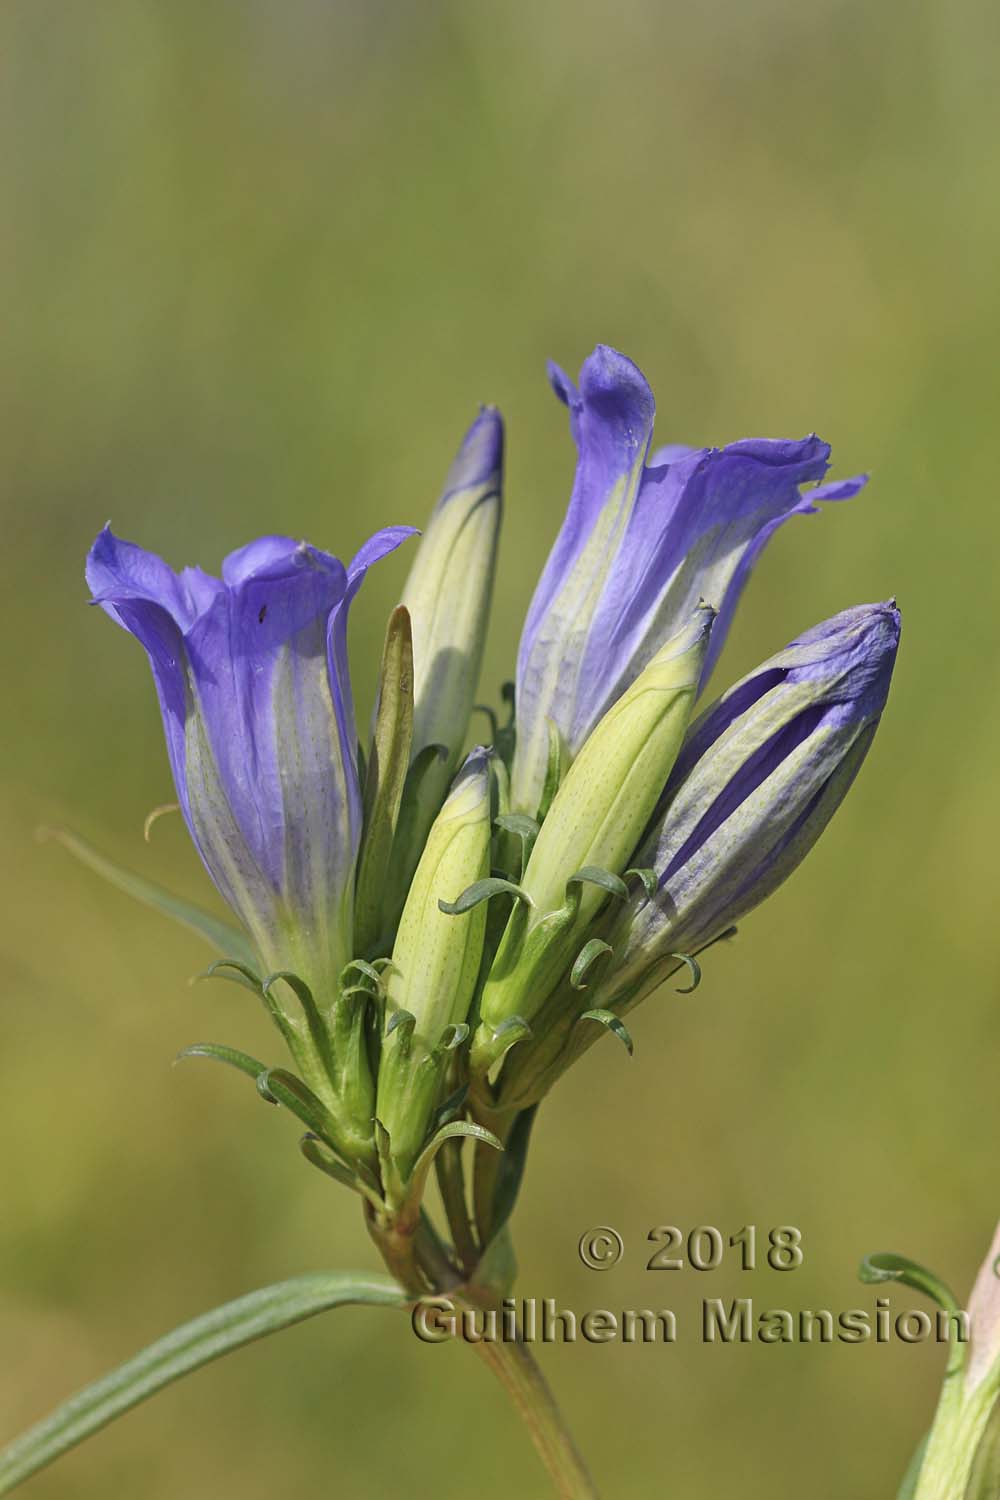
point(601, 1248)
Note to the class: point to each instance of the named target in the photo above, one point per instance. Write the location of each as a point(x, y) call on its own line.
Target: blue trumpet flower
point(641, 544)
point(252, 675)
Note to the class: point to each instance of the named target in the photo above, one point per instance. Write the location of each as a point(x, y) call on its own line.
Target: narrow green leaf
point(395, 1191)
point(318, 1031)
point(483, 890)
point(886, 1265)
point(418, 1177)
point(301, 1102)
point(319, 1154)
point(236, 973)
point(385, 778)
point(614, 1024)
point(511, 1170)
point(186, 1349)
point(217, 1052)
point(222, 937)
point(556, 767)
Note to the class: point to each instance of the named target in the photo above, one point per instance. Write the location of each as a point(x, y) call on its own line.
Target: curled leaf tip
point(155, 814)
point(693, 968)
point(607, 880)
point(483, 890)
point(453, 1036)
point(589, 954)
point(611, 1023)
point(646, 878)
point(401, 1020)
point(365, 969)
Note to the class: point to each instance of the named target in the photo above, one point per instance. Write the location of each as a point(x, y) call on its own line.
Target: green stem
point(515, 1367)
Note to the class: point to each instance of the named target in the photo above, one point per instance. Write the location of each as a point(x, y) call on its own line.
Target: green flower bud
point(435, 965)
point(962, 1457)
point(591, 830)
point(449, 587)
point(447, 595)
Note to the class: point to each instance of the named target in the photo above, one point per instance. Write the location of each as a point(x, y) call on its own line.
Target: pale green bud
point(593, 826)
point(447, 595)
point(435, 964)
point(449, 587)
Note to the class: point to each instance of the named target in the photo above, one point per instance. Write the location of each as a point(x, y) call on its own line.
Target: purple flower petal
point(377, 547)
point(640, 546)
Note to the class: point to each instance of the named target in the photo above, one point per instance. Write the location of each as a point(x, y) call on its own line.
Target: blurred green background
point(260, 263)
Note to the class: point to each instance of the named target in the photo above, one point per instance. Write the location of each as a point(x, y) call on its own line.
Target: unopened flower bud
point(448, 594)
point(592, 828)
point(449, 587)
point(435, 964)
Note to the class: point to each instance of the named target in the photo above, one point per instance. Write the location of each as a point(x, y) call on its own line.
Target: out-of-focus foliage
point(260, 263)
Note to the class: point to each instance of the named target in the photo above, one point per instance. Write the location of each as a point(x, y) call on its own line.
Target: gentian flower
point(252, 676)
point(760, 775)
point(437, 950)
point(640, 545)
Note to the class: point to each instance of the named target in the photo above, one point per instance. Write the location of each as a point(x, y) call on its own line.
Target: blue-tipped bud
point(449, 587)
point(761, 774)
point(435, 964)
point(448, 594)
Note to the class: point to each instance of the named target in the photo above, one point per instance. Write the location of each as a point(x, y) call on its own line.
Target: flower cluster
point(439, 932)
